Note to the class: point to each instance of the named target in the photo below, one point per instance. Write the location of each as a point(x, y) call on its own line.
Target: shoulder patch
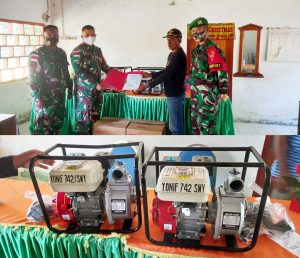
point(215, 60)
point(34, 57)
point(76, 53)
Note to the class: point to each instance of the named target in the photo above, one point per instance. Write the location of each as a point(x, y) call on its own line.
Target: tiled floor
point(240, 129)
point(252, 128)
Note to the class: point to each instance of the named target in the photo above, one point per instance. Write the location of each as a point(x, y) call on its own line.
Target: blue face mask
point(199, 36)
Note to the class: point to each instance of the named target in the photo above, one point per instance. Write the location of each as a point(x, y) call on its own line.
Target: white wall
point(15, 96)
point(24, 10)
point(130, 33)
point(10, 145)
point(16, 99)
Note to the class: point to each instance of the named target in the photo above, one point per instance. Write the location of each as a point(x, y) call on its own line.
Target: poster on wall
point(221, 31)
point(218, 31)
point(283, 45)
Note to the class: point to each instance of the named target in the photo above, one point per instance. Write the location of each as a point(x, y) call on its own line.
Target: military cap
point(201, 21)
point(173, 33)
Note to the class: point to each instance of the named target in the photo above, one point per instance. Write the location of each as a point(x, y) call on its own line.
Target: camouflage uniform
point(87, 62)
point(48, 79)
point(209, 79)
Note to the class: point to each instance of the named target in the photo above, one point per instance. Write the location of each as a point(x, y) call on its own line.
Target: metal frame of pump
point(231, 244)
point(102, 159)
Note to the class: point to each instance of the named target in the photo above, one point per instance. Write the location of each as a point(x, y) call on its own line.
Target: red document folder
point(114, 80)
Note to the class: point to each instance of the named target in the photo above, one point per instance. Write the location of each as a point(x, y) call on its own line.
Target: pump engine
point(84, 195)
point(181, 206)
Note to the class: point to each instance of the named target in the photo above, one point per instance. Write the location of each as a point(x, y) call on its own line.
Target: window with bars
point(17, 40)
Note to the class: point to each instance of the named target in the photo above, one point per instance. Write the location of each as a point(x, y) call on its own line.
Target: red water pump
point(164, 215)
point(62, 206)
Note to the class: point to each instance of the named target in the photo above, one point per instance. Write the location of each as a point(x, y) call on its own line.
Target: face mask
point(51, 42)
point(89, 40)
point(199, 36)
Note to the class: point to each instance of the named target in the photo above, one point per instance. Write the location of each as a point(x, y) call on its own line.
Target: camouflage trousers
point(87, 109)
point(47, 119)
point(204, 106)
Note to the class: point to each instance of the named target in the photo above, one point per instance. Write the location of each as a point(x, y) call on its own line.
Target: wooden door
point(223, 35)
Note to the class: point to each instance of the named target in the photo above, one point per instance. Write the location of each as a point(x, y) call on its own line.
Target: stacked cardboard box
point(146, 127)
point(119, 126)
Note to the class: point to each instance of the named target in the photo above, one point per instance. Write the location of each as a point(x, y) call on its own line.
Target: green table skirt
point(38, 242)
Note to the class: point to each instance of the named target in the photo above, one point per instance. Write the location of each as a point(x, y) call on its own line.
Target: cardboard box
point(8, 124)
point(110, 126)
point(146, 127)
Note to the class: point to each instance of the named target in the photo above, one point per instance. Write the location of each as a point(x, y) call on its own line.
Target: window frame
point(18, 45)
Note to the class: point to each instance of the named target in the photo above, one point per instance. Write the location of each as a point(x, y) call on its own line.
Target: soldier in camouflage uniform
point(209, 79)
point(88, 62)
point(48, 79)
